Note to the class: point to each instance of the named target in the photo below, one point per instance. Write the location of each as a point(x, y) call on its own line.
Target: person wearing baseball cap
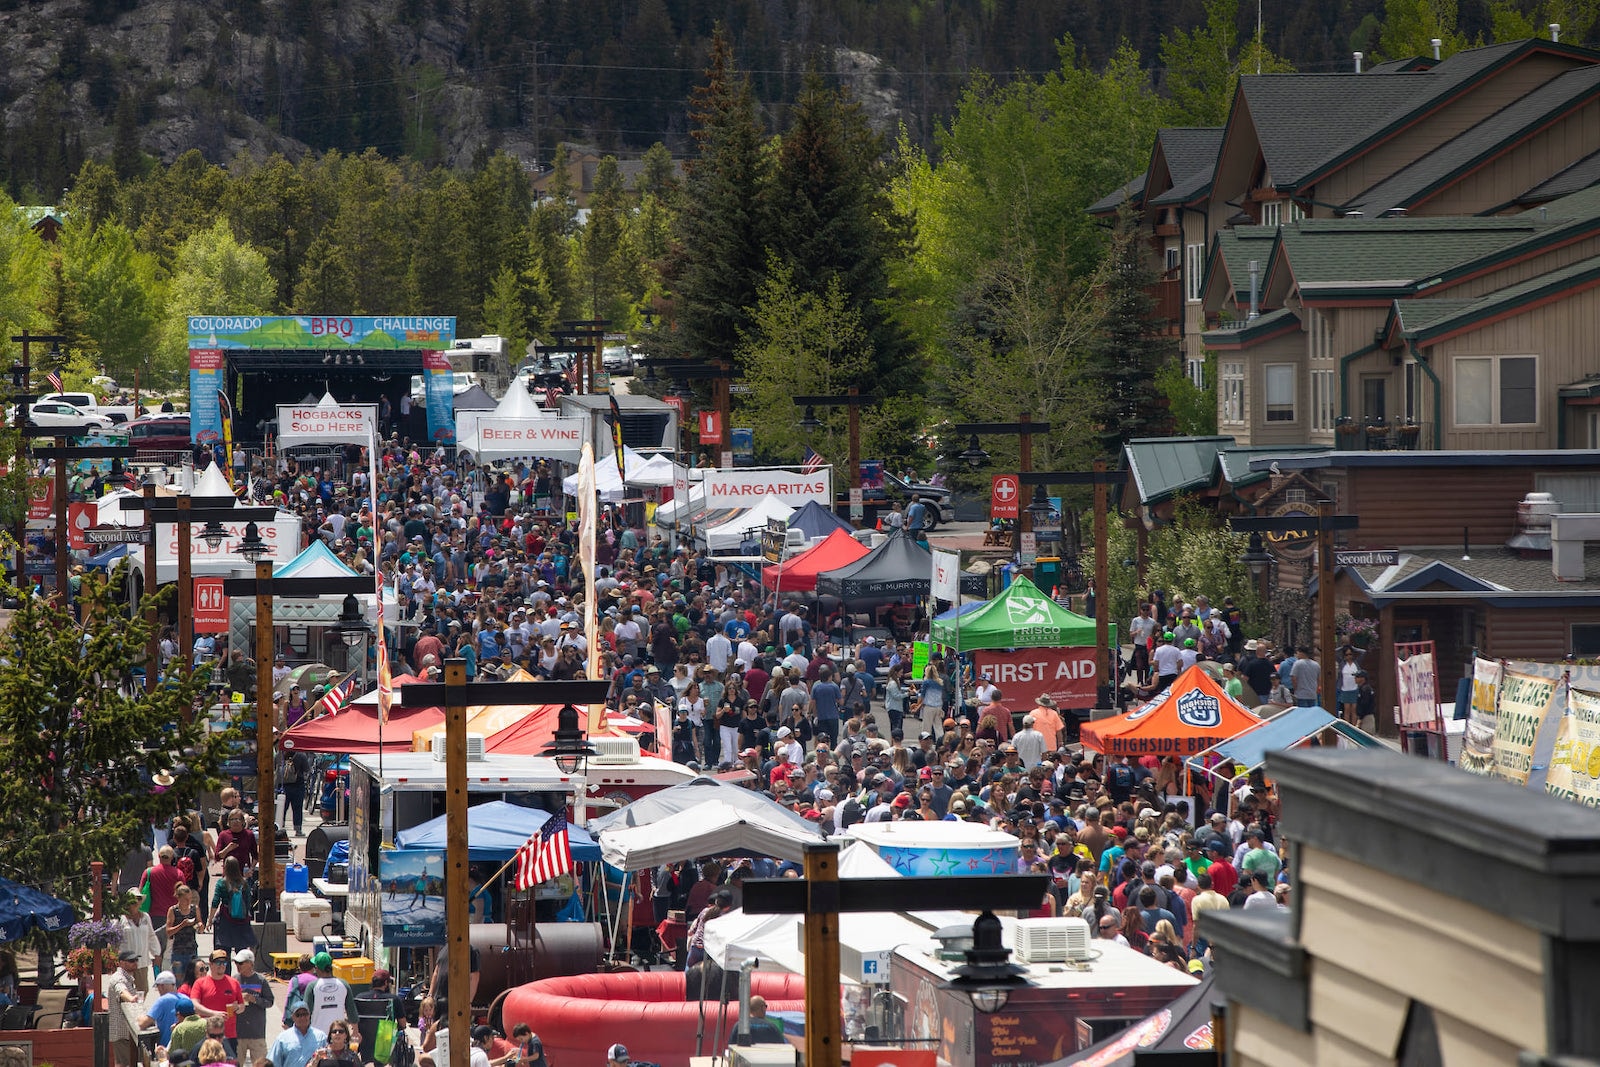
point(330, 997)
point(219, 991)
point(297, 1043)
point(251, 1024)
point(123, 989)
point(617, 1056)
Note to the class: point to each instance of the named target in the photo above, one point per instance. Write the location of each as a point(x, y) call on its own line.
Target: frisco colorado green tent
point(1020, 617)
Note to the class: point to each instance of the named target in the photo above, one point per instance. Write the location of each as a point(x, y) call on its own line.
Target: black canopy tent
point(897, 568)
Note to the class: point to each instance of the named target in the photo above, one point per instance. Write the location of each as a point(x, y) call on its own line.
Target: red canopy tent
point(798, 574)
point(353, 729)
point(1193, 714)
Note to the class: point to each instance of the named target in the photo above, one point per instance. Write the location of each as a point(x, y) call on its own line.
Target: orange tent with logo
point(1190, 716)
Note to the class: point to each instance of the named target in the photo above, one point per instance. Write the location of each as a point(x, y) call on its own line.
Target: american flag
point(337, 697)
point(547, 854)
point(55, 380)
point(811, 459)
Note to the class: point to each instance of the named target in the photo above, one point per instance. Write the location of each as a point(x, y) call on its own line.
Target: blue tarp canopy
point(22, 908)
point(495, 831)
point(964, 609)
point(108, 557)
point(817, 521)
point(1286, 730)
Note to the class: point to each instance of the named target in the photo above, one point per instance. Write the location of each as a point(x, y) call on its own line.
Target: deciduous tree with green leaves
point(80, 743)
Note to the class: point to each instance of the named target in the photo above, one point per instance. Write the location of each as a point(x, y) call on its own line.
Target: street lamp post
point(718, 373)
point(1024, 430)
point(852, 401)
point(21, 394)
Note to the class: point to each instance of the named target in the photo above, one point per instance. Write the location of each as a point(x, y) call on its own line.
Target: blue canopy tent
point(108, 557)
point(24, 908)
point(495, 831)
point(964, 609)
point(1292, 727)
point(817, 521)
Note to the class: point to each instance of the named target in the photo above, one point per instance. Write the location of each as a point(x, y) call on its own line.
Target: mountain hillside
point(445, 81)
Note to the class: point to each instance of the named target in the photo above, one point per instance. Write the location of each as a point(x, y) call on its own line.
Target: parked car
point(618, 359)
point(160, 433)
point(87, 402)
point(56, 414)
point(936, 497)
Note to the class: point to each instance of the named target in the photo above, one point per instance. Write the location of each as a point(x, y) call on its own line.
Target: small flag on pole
point(546, 855)
point(811, 460)
point(337, 697)
point(55, 380)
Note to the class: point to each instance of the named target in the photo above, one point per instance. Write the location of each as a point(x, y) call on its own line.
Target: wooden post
point(185, 587)
point(824, 1027)
point(853, 477)
point(457, 919)
point(1102, 578)
point(266, 723)
point(63, 543)
point(1325, 627)
point(96, 867)
point(152, 645)
point(21, 460)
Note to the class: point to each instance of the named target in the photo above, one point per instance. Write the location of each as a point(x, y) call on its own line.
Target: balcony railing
point(1379, 435)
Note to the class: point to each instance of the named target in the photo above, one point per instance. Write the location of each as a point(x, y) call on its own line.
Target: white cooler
point(310, 916)
point(289, 903)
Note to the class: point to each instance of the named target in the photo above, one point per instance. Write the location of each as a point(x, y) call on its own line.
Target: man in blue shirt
point(169, 1007)
point(295, 1046)
point(825, 694)
point(917, 520)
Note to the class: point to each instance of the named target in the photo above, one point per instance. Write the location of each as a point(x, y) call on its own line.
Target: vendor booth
point(713, 828)
point(1179, 1033)
point(746, 525)
point(640, 472)
point(312, 615)
point(1292, 728)
point(897, 568)
point(692, 794)
point(798, 573)
point(1190, 716)
point(1025, 641)
point(924, 849)
point(817, 521)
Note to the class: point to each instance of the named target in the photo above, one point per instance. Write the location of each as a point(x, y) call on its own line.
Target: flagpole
point(377, 583)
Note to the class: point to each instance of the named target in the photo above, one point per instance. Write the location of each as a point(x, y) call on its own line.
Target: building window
point(1174, 258)
point(1496, 390)
point(1278, 379)
point(1296, 212)
point(1272, 213)
point(1197, 372)
point(1585, 639)
point(1230, 392)
point(1194, 268)
point(1319, 328)
point(1322, 400)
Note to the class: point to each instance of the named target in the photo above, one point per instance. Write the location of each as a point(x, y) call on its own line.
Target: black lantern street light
point(1259, 561)
point(974, 455)
point(570, 749)
point(988, 976)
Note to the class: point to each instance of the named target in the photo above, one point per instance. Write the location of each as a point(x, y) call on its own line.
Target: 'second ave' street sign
point(1381, 557)
point(118, 535)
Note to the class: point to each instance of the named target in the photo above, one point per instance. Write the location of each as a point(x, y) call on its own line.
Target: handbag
point(145, 892)
point(383, 1042)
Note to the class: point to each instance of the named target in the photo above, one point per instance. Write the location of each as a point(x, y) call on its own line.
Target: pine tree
point(80, 743)
point(837, 223)
point(722, 227)
point(1127, 350)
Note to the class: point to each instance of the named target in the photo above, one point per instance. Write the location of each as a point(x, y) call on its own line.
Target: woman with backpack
point(231, 902)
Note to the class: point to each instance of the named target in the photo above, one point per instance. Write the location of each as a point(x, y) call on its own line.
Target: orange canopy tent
point(799, 573)
point(1190, 716)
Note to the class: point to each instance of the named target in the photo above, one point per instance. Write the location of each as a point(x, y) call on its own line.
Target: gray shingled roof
point(1515, 122)
point(1298, 116)
point(1496, 566)
point(1108, 205)
point(1235, 247)
point(1342, 254)
point(1191, 155)
point(1579, 176)
point(1243, 330)
point(1445, 317)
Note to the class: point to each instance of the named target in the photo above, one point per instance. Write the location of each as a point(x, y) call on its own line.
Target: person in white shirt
point(482, 1039)
point(747, 653)
point(1168, 661)
point(1029, 743)
point(719, 650)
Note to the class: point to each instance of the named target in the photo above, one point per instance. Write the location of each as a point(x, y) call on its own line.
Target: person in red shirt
point(1224, 879)
point(164, 879)
point(220, 991)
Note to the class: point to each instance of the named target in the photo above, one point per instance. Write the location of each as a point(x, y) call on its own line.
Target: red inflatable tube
point(579, 1016)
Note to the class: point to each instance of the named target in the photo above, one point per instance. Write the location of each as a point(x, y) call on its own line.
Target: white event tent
point(746, 525)
point(643, 472)
point(713, 828)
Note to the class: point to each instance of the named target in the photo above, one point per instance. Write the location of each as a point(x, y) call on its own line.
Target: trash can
point(371, 1009)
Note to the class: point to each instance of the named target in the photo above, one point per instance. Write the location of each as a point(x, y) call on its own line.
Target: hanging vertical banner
point(588, 507)
point(1575, 763)
point(210, 606)
point(1419, 689)
point(1525, 702)
point(947, 575)
point(711, 427)
point(438, 381)
point(1477, 744)
point(205, 389)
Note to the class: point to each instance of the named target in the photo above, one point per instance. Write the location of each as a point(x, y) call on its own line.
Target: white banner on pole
point(947, 575)
point(557, 438)
point(745, 487)
point(341, 424)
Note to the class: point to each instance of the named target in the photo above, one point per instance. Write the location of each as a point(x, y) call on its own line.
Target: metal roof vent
point(1534, 512)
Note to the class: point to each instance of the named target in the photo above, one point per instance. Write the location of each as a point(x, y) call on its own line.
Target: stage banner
point(743, 487)
point(1525, 703)
point(1477, 745)
point(346, 424)
point(438, 383)
point(1575, 764)
point(1419, 690)
point(947, 575)
point(353, 332)
point(205, 387)
point(1069, 675)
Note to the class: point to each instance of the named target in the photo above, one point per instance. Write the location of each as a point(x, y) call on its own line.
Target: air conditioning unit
point(610, 751)
point(475, 750)
point(1051, 940)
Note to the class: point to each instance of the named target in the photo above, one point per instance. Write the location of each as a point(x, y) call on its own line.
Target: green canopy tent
point(1020, 617)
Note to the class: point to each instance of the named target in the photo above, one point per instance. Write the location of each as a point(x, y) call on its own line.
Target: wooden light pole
point(1024, 429)
point(853, 401)
point(22, 396)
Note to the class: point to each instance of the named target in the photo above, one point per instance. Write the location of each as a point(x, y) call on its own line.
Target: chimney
point(1568, 533)
point(1437, 45)
point(1255, 290)
point(1555, 31)
point(1534, 512)
point(1359, 57)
